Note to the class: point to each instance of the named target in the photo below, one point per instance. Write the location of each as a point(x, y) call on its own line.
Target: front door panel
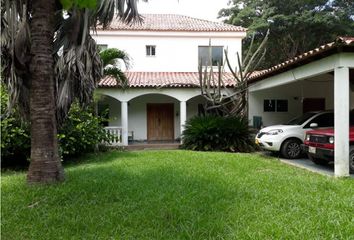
point(160, 122)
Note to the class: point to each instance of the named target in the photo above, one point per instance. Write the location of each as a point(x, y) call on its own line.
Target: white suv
point(287, 138)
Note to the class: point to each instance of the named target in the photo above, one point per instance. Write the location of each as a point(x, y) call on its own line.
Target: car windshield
point(301, 120)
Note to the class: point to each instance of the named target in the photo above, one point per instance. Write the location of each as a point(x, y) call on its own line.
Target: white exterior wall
point(175, 51)
point(318, 87)
point(293, 95)
point(313, 80)
point(137, 115)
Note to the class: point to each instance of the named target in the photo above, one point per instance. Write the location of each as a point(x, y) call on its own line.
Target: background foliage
point(295, 26)
point(15, 138)
point(216, 133)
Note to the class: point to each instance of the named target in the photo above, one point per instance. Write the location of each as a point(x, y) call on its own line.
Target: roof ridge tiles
point(174, 22)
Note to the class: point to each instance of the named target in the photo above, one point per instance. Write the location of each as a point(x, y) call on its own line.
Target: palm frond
point(125, 10)
point(78, 66)
point(77, 71)
point(110, 56)
point(118, 74)
point(15, 53)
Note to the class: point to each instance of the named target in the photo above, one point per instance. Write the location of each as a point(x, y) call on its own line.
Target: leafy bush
point(15, 138)
point(81, 132)
point(216, 133)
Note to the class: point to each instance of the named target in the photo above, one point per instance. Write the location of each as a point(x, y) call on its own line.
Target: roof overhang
point(343, 46)
point(165, 80)
point(307, 70)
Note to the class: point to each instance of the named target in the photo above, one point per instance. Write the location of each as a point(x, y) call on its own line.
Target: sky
point(204, 9)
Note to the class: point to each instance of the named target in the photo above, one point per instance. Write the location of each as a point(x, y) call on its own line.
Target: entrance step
point(153, 146)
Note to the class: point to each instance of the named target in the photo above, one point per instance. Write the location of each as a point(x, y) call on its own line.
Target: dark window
point(150, 50)
point(269, 105)
point(201, 110)
point(323, 120)
point(103, 112)
point(282, 105)
point(210, 53)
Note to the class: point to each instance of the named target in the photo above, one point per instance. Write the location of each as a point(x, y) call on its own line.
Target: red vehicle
point(319, 145)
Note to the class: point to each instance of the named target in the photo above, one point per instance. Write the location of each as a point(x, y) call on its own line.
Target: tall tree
point(226, 101)
point(295, 26)
point(49, 59)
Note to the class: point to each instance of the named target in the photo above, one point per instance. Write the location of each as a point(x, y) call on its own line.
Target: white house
point(163, 80)
point(320, 79)
point(164, 88)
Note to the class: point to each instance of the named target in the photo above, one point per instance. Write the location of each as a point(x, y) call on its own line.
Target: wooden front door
point(160, 121)
point(313, 104)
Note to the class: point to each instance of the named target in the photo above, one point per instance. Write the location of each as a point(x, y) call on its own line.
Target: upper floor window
point(150, 50)
point(210, 53)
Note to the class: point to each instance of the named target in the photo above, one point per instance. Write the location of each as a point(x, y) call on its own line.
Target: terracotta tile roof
point(163, 79)
point(174, 22)
point(340, 44)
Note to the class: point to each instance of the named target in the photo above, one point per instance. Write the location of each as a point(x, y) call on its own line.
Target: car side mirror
point(313, 125)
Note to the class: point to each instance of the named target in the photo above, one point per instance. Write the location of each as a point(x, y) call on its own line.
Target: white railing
point(116, 135)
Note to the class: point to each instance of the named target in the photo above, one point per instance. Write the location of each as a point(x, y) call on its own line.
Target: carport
point(316, 80)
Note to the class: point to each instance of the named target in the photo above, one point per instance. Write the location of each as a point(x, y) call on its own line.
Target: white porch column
point(124, 118)
point(341, 121)
point(183, 114)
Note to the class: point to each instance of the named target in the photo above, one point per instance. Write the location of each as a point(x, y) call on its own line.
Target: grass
point(179, 195)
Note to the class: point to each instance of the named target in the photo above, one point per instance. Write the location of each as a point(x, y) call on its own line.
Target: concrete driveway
point(305, 163)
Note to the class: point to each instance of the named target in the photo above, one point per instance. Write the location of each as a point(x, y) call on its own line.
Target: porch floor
point(153, 145)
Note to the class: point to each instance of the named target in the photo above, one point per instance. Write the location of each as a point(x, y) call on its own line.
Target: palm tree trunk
point(45, 166)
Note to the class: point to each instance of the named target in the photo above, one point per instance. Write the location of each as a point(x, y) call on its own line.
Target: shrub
point(15, 137)
point(81, 132)
point(216, 133)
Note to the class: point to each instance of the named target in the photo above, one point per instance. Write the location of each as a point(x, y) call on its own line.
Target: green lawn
point(179, 195)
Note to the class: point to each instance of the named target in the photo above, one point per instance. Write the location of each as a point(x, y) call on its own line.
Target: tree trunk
point(45, 166)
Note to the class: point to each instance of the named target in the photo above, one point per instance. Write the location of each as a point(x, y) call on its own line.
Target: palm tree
point(48, 60)
point(111, 65)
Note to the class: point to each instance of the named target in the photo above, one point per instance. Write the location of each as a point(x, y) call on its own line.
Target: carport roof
point(341, 44)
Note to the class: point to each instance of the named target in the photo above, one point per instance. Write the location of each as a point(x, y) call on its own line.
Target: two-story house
point(163, 89)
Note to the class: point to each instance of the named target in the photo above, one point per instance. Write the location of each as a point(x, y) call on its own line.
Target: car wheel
point(291, 149)
point(351, 159)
